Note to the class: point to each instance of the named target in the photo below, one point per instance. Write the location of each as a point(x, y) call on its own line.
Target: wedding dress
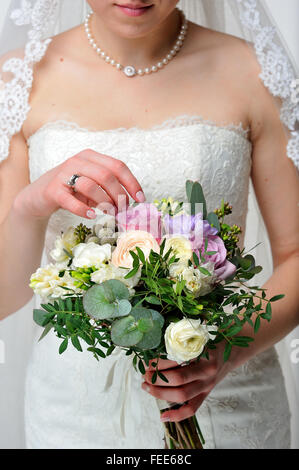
point(73, 401)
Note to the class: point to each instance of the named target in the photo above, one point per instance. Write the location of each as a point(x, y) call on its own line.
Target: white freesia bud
point(196, 282)
point(92, 238)
point(67, 241)
point(177, 269)
point(181, 247)
point(186, 339)
point(105, 221)
point(169, 205)
point(87, 255)
point(109, 271)
point(107, 235)
point(47, 283)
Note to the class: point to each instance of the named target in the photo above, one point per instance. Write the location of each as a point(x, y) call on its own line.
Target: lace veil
point(30, 24)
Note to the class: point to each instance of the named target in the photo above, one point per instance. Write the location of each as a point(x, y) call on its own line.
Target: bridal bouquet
point(156, 281)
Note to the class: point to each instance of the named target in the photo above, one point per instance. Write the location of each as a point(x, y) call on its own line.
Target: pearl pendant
point(130, 71)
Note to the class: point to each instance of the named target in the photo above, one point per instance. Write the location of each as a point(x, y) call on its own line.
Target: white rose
point(181, 247)
point(91, 254)
point(186, 339)
point(67, 241)
point(47, 283)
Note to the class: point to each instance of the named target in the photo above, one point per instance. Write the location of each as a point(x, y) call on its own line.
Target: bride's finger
point(163, 364)
point(120, 169)
point(69, 202)
point(93, 191)
point(178, 394)
point(185, 411)
point(182, 375)
point(101, 175)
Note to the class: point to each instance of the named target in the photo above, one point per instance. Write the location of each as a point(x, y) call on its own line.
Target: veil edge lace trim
point(277, 73)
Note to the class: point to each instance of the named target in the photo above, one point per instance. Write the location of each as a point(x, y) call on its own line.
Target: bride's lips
point(133, 10)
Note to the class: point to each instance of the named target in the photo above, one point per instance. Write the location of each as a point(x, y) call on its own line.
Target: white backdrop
point(11, 427)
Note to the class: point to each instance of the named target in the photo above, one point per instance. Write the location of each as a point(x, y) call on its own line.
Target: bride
point(135, 101)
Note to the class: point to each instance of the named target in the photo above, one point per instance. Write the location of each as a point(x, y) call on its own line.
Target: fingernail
point(140, 196)
point(91, 214)
point(163, 419)
point(145, 387)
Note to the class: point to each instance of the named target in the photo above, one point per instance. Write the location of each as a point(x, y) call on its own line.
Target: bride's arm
point(276, 185)
point(21, 238)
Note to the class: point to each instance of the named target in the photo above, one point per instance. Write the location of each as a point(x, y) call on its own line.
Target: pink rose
point(145, 217)
point(127, 242)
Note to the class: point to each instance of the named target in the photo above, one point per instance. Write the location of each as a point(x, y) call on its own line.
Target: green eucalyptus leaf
point(197, 200)
point(41, 317)
point(124, 307)
point(189, 185)
point(213, 220)
point(152, 338)
point(105, 300)
point(141, 312)
point(46, 331)
point(124, 332)
point(156, 316)
point(145, 324)
point(248, 262)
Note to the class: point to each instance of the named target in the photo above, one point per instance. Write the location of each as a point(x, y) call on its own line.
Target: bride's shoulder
point(224, 51)
point(58, 45)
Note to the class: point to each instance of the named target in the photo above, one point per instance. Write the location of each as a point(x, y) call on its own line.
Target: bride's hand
point(191, 383)
point(103, 180)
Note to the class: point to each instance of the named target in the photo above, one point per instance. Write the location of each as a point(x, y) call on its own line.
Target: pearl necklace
point(130, 70)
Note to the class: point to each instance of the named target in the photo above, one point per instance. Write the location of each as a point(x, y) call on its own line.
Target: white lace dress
point(73, 401)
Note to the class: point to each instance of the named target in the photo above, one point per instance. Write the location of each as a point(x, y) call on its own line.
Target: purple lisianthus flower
point(144, 217)
point(189, 226)
point(208, 230)
point(223, 267)
point(226, 270)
